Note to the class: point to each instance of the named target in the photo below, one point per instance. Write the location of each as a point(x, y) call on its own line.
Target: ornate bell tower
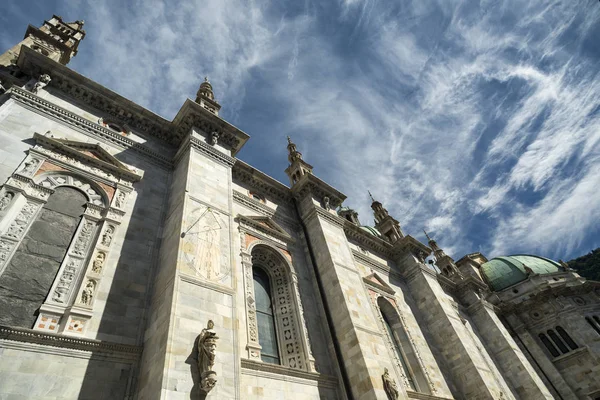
point(385, 223)
point(55, 39)
point(298, 167)
point(206, 98)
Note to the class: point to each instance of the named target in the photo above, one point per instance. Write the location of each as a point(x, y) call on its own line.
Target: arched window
point(36, 262)
point(593, 324)
point(559, 343)
point(267, 335)
point(551, 348)
point(399, 353)
point(565, 336)
point(415, 379)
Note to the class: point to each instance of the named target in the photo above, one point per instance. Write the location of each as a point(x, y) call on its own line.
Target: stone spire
point(384, 223)
point(56, 39)
point(443, 261)
point(298, 167)
point(206, 97)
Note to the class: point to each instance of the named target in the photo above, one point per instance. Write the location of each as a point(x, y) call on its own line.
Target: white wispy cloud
point(475, 120)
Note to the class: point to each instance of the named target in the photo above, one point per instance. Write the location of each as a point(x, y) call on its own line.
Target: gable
point(374, 280)
point(267, 226)
point(92, 154)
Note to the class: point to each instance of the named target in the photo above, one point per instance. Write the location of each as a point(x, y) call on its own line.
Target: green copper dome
point(371, 230)
point(502, 272)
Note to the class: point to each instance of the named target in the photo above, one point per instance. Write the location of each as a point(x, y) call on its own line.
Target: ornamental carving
point(53, 181)
point(17, 228)
point(98, 263)
point(285, 310)
point(207, 347)
point(87, 295)
point(83, 238)
point(29, 166)
point(41, 83)
point(64, 284)
point(6, 200)
point(108, 235)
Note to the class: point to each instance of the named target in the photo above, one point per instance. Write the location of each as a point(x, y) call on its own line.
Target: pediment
point(376, 281)
point(92, 154)
point(266, 225)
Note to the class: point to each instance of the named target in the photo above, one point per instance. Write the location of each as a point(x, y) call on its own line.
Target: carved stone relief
point(98, 263)
point(84, 238)
point(41, 83)
point(67, 180)
point(207, 347)
point(65, 282)
point(120, 200)
point(29, 166)
point(87, 295)
point(6, 199)
point(108, 235)
point(76, 163)
point(17, 228)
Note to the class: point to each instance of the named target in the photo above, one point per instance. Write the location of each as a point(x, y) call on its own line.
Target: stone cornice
point(310, 184)
point(283, 371)
point(94, 94)
point(210, 152)
point(361, 258)
point(35, 103)
point(193, 114)
point(367, 240)
point(260, 181)
point(49, 339)
point(249, 202)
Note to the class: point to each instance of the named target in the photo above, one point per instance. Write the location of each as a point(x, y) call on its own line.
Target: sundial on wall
point(203, 244)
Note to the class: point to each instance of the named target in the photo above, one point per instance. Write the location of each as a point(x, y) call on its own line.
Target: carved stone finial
point(426, 235)
point(207, 347)
point(389, 385)
point(326, 204)
point(214, 138)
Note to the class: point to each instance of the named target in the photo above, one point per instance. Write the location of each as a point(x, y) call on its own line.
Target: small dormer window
point(114, 127)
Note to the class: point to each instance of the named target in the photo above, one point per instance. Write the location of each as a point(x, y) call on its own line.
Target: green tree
point(588, 265)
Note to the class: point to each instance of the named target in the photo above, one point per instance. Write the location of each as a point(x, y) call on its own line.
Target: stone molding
point(260, 181)
point(211, 152)
point(48, 339)
point(367, 240)
point(274, 371)
point(309, 184)
point(423, 396)
point(276, 231)
point(206, 284)
point(249, 202)
point(37, 104)
point(110, 168)
point(375, 265)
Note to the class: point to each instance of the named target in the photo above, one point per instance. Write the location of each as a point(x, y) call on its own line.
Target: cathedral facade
point(140, 259)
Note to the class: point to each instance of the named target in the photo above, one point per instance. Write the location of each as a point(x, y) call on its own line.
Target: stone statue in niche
point(98, 263)
point(41, 83)
point(64, 283)
point(120, 201)
point(326, 204)
point(5, 200)
point(108, 235)
point(88, 293)
point(389, 385)
point(214, 138)
point(29, 166)
point(207, 347)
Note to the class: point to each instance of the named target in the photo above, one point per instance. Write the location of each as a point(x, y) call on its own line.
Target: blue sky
point(476, 120)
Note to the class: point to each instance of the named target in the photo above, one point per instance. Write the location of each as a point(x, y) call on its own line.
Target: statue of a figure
point(326, 203)
point(88, 293)
point(120, 202)
point(41, 83)
point(214, 138)
point(30, 166)
point(389, 385)
point(98, 263)
point(207, 347)
point(5, 200)
point(108, 235)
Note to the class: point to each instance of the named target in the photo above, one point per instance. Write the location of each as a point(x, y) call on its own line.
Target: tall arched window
point(34, 265)
point(399, 353)
point(267, 335)
point(415, 378)
point(549, 345)
point(565, 336)
point(559, 343)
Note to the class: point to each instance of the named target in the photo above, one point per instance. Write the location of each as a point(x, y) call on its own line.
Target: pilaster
point(356, 328)
point(472, 371)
